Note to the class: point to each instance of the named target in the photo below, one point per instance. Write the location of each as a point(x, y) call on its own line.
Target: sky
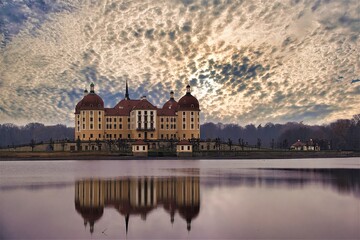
point(248, 61)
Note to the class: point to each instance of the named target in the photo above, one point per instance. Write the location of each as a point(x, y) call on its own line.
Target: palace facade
point(137, 119)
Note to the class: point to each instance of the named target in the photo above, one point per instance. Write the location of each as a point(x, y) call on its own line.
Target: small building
point(140, 148)
point(308, 146)
point(184, 148)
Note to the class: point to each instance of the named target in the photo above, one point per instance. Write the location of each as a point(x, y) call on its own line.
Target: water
point(166, 199)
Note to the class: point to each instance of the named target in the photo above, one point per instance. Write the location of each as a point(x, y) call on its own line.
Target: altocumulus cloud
point(248, 61)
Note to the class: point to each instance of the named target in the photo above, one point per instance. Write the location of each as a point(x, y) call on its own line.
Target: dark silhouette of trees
point(342, 134)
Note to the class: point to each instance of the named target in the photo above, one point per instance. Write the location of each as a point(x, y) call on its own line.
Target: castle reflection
point(138, 196)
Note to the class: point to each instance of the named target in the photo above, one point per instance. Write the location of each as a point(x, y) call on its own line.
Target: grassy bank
point(17, 156)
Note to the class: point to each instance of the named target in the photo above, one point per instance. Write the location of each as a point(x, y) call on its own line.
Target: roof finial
point(171, 94)
point(127, 92)
point(188, 91)
point(92, 88)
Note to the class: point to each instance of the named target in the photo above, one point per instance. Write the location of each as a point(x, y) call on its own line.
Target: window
point(192, 113)
point(192, 119)
point(162, 136)
point(167, 126)
point(91, 135)
point(120, 119)
point(91, 119)
point(183, 113)
point(161, 119)
point(91, 126)
point(99, 119)
point(145, 112)
point(114, 135)
point(151, 112)
point(139, 135)
point(144, 148)
point(99, 113)
point(192, 126)
point(192, 135)
point(189, 148)
point(183, 119)
point(99, 135)
point(110, 135)
point(83, 126)
point(152, 135)
point(91, 112)
point(83, 119)
point(114, 119)
point(184, 126)
point(167, 119)
point(120, 136)
point(109, 119)
point(78, 116)
point(114, 126)
point(129, 136)
point(184, 136)
point(78, 122)
point(174, 126)
point(99, 126)
point(162, 126)
point(83, 135)
point(182, 148)
point(137, 148)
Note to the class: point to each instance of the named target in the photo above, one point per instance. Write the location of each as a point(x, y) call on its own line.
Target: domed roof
point(92, 101)
point(188, 102)
point(170, 104)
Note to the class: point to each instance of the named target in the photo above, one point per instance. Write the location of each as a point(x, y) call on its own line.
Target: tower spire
point(127, 92)
point(127, 223)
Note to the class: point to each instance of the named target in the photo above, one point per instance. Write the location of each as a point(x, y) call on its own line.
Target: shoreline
point(60, 156)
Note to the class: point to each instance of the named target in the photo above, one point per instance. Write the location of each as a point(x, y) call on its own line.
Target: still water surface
point(187, 199)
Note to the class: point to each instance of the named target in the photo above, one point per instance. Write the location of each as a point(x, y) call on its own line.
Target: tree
point(51, 144)
point(32, 144)
point(258, 143)
point(229, 143)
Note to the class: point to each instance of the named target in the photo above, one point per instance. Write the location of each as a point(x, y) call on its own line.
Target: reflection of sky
point(248, 61)
point(236, 202)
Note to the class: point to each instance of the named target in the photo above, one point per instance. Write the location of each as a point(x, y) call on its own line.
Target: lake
point(192, 199)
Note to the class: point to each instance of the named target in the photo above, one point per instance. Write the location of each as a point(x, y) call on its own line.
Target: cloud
point(247, 61)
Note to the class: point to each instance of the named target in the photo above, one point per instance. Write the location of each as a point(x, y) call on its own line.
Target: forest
point(342, 134)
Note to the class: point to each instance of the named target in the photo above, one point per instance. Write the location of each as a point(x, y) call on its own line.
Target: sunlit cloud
point(248, 61)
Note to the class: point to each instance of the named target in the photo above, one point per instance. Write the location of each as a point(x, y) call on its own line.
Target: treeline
point(343, 134)
point(11, 134)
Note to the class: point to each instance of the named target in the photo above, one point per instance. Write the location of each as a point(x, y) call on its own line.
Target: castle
point(137, 119)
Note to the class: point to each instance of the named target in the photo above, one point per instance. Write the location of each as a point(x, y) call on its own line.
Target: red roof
point(184, 142)
point(171, 104)
point(188, 103)
point(124, 107)
point(166, 112)
point(139, 142)
point(144, 104)
point(92, 101)
point(298, 144)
